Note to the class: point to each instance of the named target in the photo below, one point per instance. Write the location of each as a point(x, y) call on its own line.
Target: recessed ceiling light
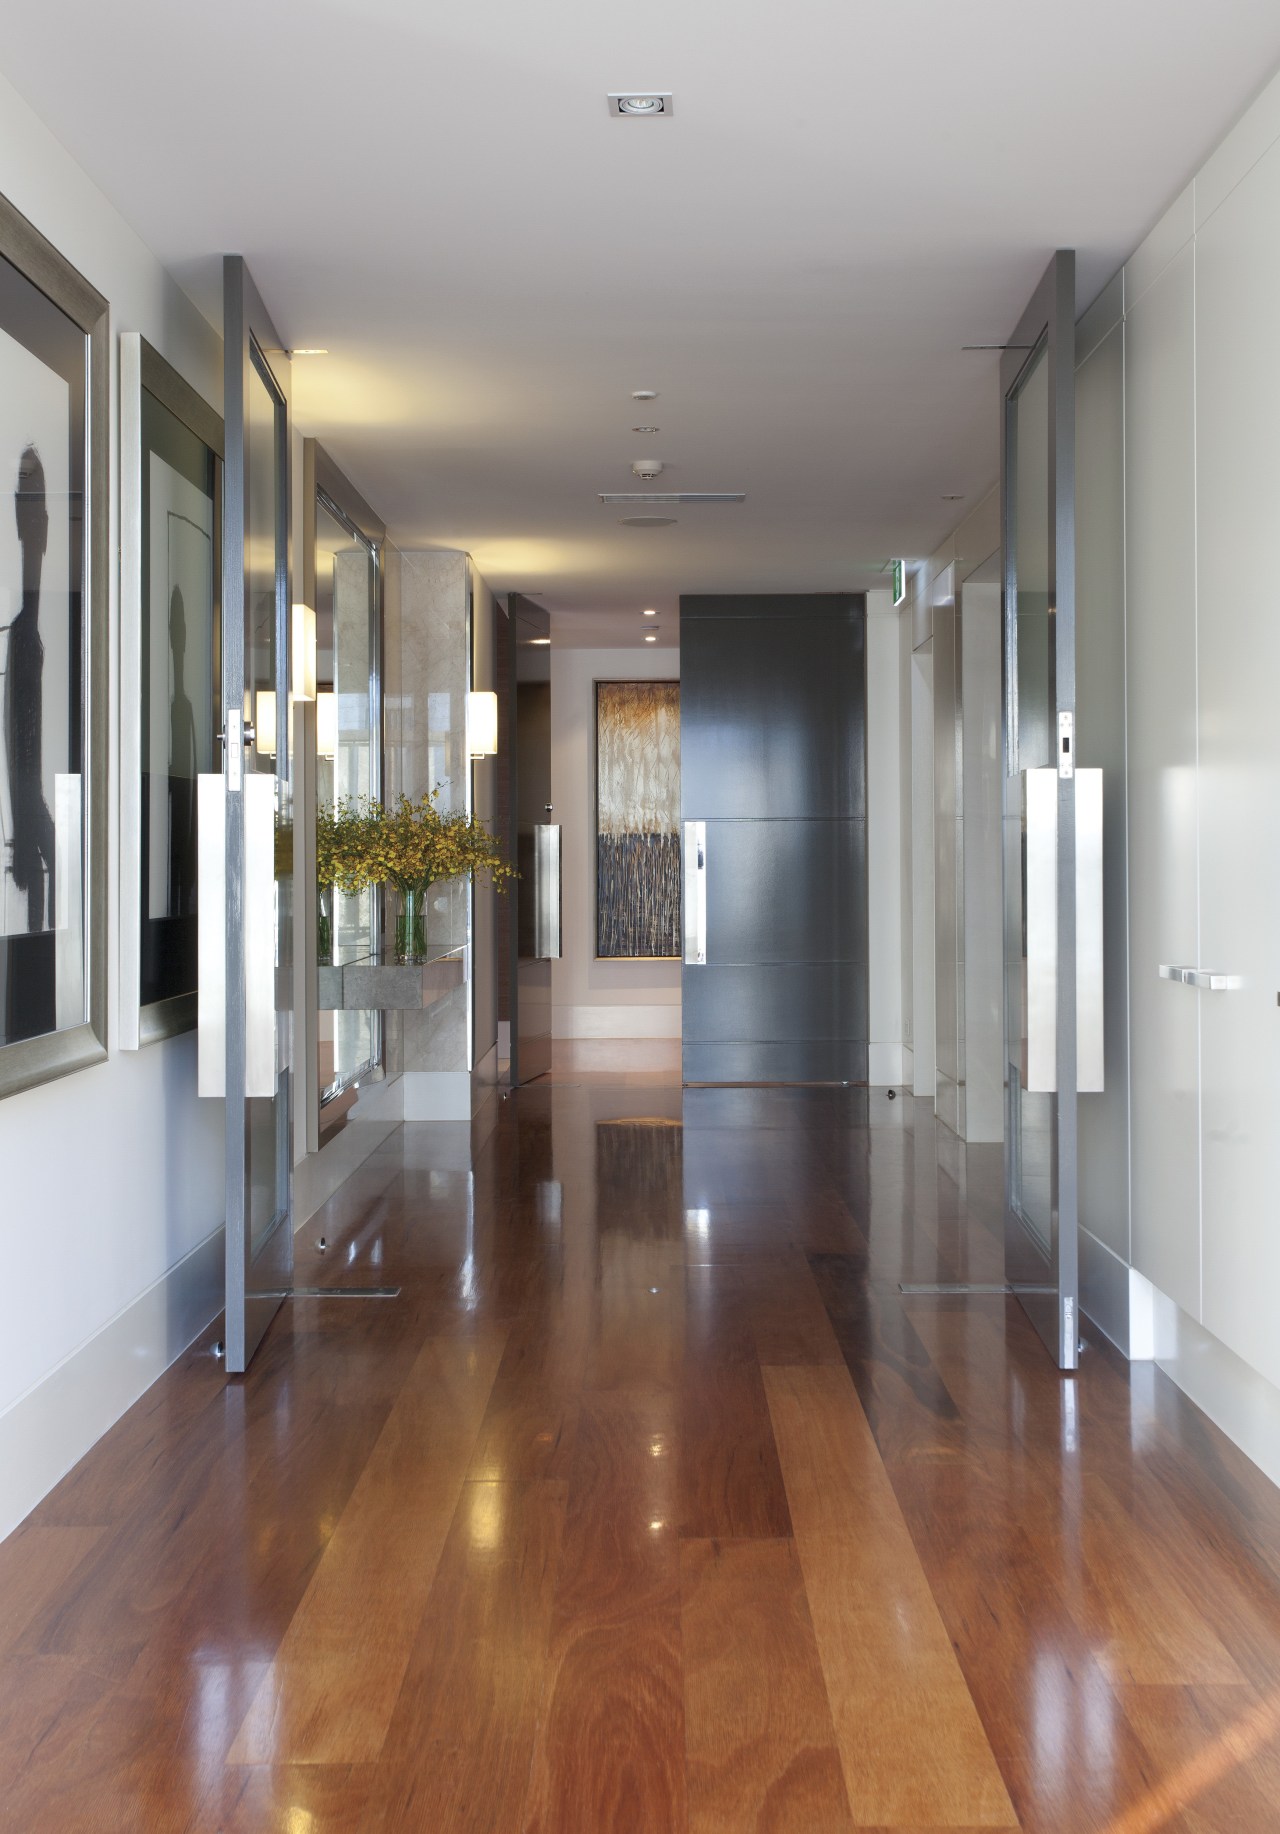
point(646, 429)
point(652, 102)
point(644, 394)
point(540, 640)
point(314, 350)
point(958, 497)
point(650, 614)
point(651, 636)
point(646, 522)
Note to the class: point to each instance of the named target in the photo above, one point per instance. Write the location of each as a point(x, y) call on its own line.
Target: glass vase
point(411, 925)
point(324, 926)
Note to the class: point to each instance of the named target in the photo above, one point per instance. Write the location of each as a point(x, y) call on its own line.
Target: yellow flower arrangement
point(410, 845)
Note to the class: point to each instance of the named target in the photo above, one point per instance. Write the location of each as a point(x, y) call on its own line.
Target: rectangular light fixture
point(327, 725)
point(899, 581)
point(482, 723)
point(304, 653)
point(673, 496)
point(264, 722)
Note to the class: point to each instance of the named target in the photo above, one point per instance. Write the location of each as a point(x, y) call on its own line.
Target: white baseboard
point(655, 1021)
point(437, 1095)
point(52, 1427)
point(618, 1056)
point(1236, 1398)
point(884, 1065)
point(376, 1116)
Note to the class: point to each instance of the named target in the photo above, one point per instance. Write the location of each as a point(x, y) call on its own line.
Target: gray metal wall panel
point(773, 760)
point(786, 891)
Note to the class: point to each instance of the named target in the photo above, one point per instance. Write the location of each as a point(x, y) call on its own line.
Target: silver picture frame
point(28, 1061)
point(143, 371)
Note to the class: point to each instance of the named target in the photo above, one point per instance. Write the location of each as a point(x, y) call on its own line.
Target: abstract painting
point(637, 819)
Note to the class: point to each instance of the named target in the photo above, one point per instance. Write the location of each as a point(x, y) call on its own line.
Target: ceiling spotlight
point(956, 497)
point(650, 614)
point(646, 522)
point(640, 102)
point(540, 640)
point(651, 636)
point(646, 429)
point(315, 350)
point(644, 394)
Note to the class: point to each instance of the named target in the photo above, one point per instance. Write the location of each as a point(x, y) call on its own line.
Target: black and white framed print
point(53, 661)
point(171, 543)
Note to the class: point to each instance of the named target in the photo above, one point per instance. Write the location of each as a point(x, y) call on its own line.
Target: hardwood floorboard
point(458, 1751)
point(760, 1746)
point(329, 1694)
point(609, 1750)
point(912, 1744)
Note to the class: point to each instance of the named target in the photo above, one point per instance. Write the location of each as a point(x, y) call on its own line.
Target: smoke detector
point(646, 467)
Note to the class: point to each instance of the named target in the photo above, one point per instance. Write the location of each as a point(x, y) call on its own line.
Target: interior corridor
point(651, 1504)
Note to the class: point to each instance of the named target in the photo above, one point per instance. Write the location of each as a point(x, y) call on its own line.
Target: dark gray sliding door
point(773, 804)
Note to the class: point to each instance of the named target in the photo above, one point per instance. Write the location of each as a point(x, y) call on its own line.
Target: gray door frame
point(1048, 1284)
point(256, 1283)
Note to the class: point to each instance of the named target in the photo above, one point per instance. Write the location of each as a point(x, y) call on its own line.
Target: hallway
point(651, 1504)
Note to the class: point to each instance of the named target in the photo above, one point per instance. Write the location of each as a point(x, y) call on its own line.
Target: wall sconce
point(304, 653)
point(482, 724)
point(327, 725)
point(264, 722)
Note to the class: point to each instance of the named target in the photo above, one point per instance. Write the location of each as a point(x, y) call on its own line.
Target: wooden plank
point(760, 1746)
point(913, 1747)
point(609, 1752)
point(458, 1749)
point(329, 1695)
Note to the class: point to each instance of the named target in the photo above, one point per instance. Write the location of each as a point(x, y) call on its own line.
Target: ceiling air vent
point(673, 496)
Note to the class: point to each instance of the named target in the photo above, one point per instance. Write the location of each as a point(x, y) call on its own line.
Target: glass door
point(258, 818)
point(1038, 491)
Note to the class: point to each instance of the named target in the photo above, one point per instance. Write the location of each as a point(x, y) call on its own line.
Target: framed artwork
point(170, 667)
point(638, 820)
point(53, 661)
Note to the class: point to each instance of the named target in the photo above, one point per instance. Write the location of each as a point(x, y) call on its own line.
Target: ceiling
point(844, 195)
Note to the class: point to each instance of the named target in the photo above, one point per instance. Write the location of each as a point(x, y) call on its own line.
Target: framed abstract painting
point(53, 661)
point(638, 820)
point(170, 653)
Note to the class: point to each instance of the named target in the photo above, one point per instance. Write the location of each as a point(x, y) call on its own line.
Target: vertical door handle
point(695, 893)
point(259, 919)
point(546, 892)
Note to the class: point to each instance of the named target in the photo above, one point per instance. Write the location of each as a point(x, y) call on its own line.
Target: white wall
point(884, 841)
point(112, 1179)
point(590, 998)
point(1202, 487)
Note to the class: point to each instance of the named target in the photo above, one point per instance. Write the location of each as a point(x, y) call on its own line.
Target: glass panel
point(1030, 415)
point(348, 766)
point(43, 356)
point(180, 650)
point(266, 707)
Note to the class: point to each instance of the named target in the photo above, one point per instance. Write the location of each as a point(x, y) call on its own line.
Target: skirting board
point(653, 1021)
point(437, 1095)
point(1236, 1398)
point(1117, 1299)
point(884, 1065)
point(618, 1056)
point(52, 1427)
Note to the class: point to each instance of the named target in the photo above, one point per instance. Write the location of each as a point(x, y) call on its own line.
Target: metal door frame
point(1048, 1287)
point(255, 1285)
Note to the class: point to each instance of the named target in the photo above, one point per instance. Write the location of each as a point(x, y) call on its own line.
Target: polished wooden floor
point(651, 1504)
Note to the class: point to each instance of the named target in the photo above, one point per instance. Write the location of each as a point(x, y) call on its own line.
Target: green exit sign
point(899, 581)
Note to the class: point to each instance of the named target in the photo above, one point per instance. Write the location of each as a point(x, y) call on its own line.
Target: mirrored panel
point(348, 768)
